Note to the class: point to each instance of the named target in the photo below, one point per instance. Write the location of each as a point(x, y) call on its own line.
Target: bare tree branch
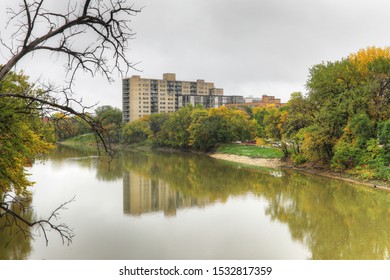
point(10, 205)
point(94, 37)
point(108, 21)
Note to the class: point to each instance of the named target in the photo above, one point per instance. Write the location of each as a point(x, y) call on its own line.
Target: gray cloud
point(245, 46)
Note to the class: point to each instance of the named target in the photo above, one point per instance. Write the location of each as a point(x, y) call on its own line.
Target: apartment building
point(141, 96)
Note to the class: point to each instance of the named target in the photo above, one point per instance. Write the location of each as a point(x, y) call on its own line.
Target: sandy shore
point(264, 162)
point(276, 163)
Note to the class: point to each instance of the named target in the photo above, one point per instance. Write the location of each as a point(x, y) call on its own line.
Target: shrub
point(346, 155)
point(136, 132)
point(298, 158)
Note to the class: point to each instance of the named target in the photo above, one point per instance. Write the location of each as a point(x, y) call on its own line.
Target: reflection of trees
point(332, 218)
point(197, 175)
point(106, 169)
point(64, 152)
point(165, 182)
point(14, 245)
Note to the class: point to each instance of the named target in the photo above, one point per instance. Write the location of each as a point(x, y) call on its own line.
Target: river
point(158, 205)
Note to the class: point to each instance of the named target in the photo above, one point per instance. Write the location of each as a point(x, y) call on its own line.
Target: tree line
point(342, 122)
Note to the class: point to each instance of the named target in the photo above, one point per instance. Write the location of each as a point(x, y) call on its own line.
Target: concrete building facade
point(141, 96)
point(265, 101)
point(251, 99)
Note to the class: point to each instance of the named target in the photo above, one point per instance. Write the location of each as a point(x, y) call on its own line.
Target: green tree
point(300, 115)
point(23, 136)
point(136, 132)
point(111, 120)
point(331, 86)
point(156, 122)
point(384, 139)
point(109, 115)
point(216, 126)
point(258, 115)
point(361, 129)
point(69, 126)
point(174, 131)
point(346, 104)
point(276, 127)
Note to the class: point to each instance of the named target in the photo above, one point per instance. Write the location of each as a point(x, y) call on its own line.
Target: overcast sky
point(246, 47)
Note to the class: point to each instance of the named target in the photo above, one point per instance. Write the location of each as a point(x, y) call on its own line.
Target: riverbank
point(262, 157)
point(277, 163)
point(262, 162)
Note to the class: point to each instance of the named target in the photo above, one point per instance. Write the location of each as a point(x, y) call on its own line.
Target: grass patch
point(85, 140)
point(250, 151)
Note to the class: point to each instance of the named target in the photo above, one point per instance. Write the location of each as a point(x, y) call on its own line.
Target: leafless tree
point(12, 207)
point(103, 26)
point(93, 36)
point(108, 22)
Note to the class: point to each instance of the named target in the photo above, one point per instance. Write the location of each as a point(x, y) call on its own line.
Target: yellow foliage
point(271, 106)
point(258, 109)
point(363, 57)
point(23, 137)
point(260, 142)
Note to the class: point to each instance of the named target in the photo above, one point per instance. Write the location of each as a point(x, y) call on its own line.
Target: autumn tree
point(24, 137)
point(373, 64)
point(93, 37)
point(300, 115)
point(258, 115)
point(275, 122)
point(341, 119)
point(136, 132)
point(174, 131)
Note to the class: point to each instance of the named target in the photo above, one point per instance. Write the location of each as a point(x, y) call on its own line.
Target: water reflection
point(14, 244)
point(328, 218)
point(144, 195)
point(333, 219)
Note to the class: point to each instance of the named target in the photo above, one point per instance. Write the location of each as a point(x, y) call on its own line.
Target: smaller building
point(208, 101)
point(251, 99)
point(265, 101)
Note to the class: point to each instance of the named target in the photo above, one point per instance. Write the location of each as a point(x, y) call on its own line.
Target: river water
point(158, 205)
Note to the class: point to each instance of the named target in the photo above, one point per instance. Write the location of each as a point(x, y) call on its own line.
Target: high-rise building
point(143, 96)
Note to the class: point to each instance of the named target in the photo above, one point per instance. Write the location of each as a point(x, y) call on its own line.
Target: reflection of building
point(141, 97)
point(144, 195)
